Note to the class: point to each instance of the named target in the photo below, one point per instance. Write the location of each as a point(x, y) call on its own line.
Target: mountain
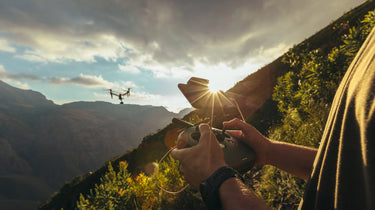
point(42, 144)
point(10, 96)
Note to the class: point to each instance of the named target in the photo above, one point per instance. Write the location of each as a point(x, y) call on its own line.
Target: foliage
point(121, 190)
point(115, 188)
point(280, 189)
point(304, 97)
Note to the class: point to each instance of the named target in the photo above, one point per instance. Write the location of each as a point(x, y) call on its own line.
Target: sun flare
point(214, 87)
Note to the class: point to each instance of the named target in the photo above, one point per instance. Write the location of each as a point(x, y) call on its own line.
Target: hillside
point(255, 90)
point(43, 144)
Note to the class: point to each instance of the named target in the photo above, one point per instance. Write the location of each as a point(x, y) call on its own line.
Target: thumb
point(179, 154)
point(205, 132)
point(182, 140)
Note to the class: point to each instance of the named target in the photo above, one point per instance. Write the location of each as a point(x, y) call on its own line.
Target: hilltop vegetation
point(300, 103)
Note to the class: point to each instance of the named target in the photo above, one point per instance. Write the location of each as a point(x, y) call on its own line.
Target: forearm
point(295, 159)
point(236, 195)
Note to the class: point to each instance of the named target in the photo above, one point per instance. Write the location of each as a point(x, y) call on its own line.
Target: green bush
point(279, 189)
point(121, 190)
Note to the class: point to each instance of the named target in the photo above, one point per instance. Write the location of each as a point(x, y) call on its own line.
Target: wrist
point(235, 194)
point(209, 188)
point(233, 189)
point(265, 153)
point(227, 186)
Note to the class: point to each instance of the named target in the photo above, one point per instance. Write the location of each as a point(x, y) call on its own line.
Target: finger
point(235, 123)
point(205, 132)
point(182, 140)
point(193, 94)
point(235, 133)
point(198, 80)
point(179, 154)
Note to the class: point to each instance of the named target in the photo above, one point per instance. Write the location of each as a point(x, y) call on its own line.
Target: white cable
point(165, 190)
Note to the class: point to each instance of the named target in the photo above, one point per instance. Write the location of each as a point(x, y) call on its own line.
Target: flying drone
point(120, 95)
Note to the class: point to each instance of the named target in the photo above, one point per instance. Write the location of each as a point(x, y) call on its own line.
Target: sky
point(74, 50)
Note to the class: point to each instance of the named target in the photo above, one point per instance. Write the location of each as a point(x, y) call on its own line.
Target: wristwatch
point(209, 188)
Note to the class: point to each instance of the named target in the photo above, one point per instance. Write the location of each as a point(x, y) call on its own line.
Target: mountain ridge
point(42, 142)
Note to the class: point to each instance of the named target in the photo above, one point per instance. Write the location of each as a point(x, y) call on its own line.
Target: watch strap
point(209, 188)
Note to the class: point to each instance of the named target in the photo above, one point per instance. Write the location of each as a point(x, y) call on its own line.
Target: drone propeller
point(125, 90)
point(111, 92)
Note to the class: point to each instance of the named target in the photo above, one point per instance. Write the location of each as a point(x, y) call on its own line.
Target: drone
point(120, 95)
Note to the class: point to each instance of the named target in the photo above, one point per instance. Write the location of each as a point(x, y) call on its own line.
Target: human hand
point(200, 161)
point(197, 92)
point(250, 136)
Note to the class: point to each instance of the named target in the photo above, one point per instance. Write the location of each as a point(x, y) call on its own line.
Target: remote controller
point(236, 154)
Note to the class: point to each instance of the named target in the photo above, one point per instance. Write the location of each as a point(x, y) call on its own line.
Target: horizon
point(72, 51)
point(98, 101)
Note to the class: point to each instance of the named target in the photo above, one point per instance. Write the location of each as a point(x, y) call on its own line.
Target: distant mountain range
point(42, 144)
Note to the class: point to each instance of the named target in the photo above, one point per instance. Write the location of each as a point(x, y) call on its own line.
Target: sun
point(213, 87)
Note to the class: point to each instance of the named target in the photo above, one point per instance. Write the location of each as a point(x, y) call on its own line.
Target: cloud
point(13, 78)
point(128, 84)
point(162, 36)
point(5, 46)
point(54, 48)
point(18, 84)
point(128, 68)
point(90, 81)
point(17, 76)
point(83, 80)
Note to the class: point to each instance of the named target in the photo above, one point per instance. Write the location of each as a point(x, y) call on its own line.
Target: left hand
point(200, 161)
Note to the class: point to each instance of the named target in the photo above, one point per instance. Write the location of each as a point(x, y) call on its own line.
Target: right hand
point(200, 161)
point(250, 136)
